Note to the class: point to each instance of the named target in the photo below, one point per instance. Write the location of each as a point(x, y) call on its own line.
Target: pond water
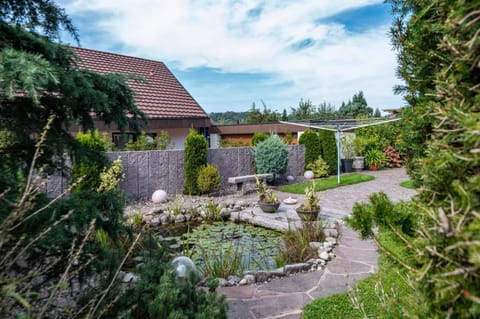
point(221, 243)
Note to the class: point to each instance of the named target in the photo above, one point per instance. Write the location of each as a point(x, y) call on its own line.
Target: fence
point(147, 171)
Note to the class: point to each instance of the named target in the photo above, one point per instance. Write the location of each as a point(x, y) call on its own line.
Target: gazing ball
point(159, 196)
point(290, 178)
point(308, 174)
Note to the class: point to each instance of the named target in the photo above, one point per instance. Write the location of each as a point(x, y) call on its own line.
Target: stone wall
point(147, 171)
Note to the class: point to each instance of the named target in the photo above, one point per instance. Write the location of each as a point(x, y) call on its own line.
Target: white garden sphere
point(290, 178)
point(159, 196)
point(308, 174)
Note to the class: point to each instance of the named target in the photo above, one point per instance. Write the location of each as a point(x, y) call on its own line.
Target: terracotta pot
point(373, 167)
point(308, 215)
point(269, 207)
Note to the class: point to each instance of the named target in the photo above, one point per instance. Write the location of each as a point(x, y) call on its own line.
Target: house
point(241, 134)
point(159, 95)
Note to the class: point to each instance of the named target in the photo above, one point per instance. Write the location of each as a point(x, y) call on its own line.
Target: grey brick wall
point(147, 171)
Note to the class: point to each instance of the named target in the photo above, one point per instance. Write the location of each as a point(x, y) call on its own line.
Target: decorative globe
point(290, 178)
point(308, 174)
point(159, 196)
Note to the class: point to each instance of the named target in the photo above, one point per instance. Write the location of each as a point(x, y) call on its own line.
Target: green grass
point(385, 294)
point(327, 183)
point(408, 184)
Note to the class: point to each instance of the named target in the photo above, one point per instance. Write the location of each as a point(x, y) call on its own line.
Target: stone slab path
point(284, 297)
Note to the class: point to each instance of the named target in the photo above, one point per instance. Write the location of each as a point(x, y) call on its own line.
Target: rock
point(225, 212)
point(222, 282)
point(159, 196)
point(315, 245)
point(155, 221)
point(262, 276)
point(154, 211)
point(233, 280)
point(324, 255)
point(279, 272)
point(294, 268)
point(130, 278)
point(180, 218)
point(248, 279)
point(188, 217)
point(329, 232)
point(165, 218)
point(330, 240)
point(290, 178)
point(147, 219)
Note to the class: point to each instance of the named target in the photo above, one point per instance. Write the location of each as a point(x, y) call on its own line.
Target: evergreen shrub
point(313, 150)
point(89, 160)
point(258, 137)
point(271, 156)
point(208, 179)
point(319, 167)
point(160, 294)
point(328, 145)
point(195, 159)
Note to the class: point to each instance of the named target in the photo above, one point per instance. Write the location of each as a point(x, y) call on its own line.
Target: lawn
point(327, 183)
point(408, 184)
point(385, 294)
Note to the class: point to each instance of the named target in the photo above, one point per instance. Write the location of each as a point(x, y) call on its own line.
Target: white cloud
point(221, 34)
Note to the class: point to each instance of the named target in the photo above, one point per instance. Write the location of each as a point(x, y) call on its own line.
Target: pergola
point(339, 126)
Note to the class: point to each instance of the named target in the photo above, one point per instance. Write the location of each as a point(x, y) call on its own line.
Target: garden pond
point(221, 248)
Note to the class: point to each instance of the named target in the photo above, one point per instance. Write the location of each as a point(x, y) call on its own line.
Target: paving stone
point(356, 243)
point(344, 266)
point(333, 284)
point(366, 256)
point(240, 292)
point(297, 283)
point(278, 305)
point(238, 309)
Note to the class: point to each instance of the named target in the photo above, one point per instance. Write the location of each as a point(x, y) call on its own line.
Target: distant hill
point(229, 117)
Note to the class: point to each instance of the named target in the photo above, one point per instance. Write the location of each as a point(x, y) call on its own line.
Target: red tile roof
point(160, 95)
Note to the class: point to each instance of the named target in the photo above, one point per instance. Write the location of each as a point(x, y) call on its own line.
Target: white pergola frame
point(320, 125)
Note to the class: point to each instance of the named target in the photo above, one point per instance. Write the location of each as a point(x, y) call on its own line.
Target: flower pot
point(347, 165)
point(269, 207)
point(374, 167)
point(358, 163)
point(308, 215)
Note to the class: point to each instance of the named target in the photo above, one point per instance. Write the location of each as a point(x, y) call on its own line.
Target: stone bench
point(240, 180)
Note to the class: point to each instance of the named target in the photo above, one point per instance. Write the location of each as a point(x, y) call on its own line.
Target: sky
point(231, 53)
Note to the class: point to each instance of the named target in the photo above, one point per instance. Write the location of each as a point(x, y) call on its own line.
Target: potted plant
point(374, 158)
point(348, 152)
point(359, 145)
point(267, 199)
point(309, 210)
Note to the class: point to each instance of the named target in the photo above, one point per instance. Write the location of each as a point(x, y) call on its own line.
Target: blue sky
point(231, 53)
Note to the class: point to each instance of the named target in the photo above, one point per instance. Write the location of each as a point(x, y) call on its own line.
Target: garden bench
point(240, 180)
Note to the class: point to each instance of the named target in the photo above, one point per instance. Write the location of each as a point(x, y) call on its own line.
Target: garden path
point(355, 258)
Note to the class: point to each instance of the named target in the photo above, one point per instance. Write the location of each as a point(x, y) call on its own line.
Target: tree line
point(306, 110)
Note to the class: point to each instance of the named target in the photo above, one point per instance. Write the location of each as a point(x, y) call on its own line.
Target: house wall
point(147, 171)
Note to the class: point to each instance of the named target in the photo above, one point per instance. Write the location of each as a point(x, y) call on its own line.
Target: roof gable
point(161, 95)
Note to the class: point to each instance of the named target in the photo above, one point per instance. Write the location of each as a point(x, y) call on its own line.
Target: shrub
point(232, 142)
point(375, 157)
point(111, 177)
point(89, 160)
point(329, 149)
point(392, 157)
point(258, 137)
point(208, 180)
point(319, 167)
point(160, 294)
point(145, 142)
point(271, 156)
point(195, 159)
point(313, 150)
